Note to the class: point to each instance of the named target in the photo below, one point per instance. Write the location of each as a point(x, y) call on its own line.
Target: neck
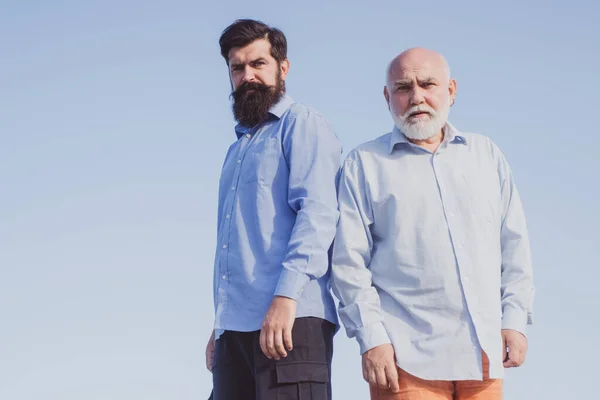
point(430, 144)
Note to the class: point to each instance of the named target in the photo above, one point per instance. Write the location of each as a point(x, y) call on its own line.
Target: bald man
point(431, 260)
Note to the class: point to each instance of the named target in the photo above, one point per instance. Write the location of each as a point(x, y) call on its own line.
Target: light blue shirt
point(432, 253)
point(277, 217)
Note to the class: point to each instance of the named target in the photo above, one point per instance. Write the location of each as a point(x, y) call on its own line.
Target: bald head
point(416, 59)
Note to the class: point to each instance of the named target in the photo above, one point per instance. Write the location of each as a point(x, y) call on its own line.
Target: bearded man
point(275, 316)
point(431, 260)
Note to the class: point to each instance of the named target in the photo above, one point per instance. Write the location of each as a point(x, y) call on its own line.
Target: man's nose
point(248, 75)
point(417, 96)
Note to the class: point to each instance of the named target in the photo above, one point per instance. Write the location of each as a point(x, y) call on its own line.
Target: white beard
point(423, 128)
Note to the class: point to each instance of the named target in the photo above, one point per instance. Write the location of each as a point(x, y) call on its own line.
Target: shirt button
point(466, 279)
point(248, 135)
point(233, 188)
point(239, 161)
point(228, 216)
point(452, 214)
point(223, 277)
point(224, 246)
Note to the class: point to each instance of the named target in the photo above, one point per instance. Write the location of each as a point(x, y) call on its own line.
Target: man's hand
point(210, 351)
point(379, 368)
point(276, 331)
point(516, 343)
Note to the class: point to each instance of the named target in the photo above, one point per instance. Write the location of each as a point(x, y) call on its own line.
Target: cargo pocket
point(302, 381)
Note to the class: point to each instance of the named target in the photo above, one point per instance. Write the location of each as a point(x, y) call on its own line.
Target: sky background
point(114, 122)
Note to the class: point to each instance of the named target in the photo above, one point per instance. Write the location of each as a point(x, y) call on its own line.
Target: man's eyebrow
point(241, 64)
point(427, 79)
point(402, 82)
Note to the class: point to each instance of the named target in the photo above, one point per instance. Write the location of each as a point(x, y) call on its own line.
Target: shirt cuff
point(371, 336)
point(516, 320)
point(291, 284)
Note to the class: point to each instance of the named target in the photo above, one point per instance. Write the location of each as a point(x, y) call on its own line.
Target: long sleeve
point(360, 309)
point(517, 288)
point(313, 153)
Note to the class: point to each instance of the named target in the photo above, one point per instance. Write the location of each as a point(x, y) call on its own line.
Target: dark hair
point(245, 31)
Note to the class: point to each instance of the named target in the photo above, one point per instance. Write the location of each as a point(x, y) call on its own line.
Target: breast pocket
point(484, 196)
point(261, 162)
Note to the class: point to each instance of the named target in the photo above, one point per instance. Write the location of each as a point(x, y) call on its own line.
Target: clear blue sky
point(114, 121)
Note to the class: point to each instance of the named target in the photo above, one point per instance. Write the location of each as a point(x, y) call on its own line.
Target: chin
point(421, 130)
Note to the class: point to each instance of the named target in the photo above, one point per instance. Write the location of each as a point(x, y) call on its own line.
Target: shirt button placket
point(231, 202)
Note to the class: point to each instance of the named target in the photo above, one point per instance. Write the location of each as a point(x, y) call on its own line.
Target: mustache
point(418, 109)
point(245, 87)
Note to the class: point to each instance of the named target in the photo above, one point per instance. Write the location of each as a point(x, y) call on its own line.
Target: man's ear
point(285, 67)
point(452, 91)
point(386, 94)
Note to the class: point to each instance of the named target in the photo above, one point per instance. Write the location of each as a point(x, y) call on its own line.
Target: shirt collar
point(281, 106)
point(276, 110)
point(451, 135)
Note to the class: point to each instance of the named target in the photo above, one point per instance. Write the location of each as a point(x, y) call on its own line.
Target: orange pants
point(413, 388)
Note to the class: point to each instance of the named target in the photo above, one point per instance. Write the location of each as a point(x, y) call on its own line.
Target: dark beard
point(252, 108)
